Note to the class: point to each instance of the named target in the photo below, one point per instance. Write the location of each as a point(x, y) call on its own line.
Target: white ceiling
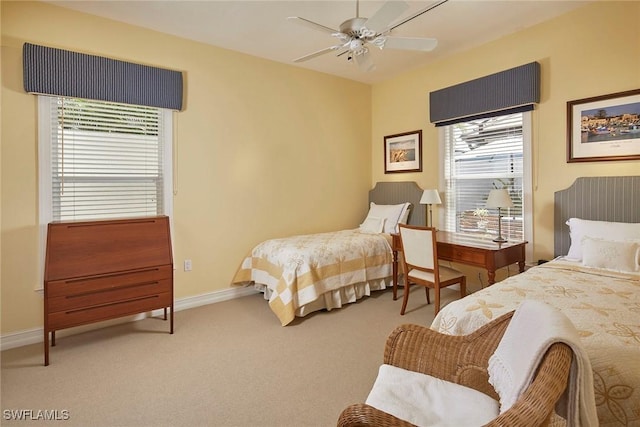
point(260, 28)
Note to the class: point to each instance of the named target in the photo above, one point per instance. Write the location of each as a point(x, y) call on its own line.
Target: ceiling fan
point(356, 34)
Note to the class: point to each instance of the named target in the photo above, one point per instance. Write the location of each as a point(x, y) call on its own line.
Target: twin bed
point(303, 274)
point(594, 280)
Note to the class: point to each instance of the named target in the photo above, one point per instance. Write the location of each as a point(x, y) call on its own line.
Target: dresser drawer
point(84, 315)
point(84, 285)
point(461, 254)
point(117, 292)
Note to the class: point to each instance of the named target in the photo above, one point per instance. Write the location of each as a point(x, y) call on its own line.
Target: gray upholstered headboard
point(393, 193)
point(611, 198)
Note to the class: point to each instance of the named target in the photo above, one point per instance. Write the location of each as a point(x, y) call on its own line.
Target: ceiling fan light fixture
point(366, 33)
point(379, 41)
point(344, 38)
point(356, 45)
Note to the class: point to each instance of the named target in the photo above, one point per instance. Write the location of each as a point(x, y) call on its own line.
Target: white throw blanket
point(535, 326)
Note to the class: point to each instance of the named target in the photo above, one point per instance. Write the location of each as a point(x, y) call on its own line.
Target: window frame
point(45, 183)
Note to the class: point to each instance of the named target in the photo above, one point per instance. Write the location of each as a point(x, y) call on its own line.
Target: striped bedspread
point(300, 270)
point(603, 305)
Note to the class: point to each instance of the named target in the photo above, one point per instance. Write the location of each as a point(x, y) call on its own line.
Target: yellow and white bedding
point(603, 305)
point(302, 274)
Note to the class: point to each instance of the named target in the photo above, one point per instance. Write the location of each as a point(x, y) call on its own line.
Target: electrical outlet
point(187, 265)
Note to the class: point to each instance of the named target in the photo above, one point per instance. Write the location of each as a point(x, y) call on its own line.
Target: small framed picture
point(604, 128)
point(403, 152)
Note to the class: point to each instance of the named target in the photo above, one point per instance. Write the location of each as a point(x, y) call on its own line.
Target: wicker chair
point(464, 360)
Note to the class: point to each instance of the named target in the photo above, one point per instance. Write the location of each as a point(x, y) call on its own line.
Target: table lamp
point(430, 197)
point(499, 199)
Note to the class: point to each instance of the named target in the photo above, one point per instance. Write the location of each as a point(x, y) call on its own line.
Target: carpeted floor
point(227, 364)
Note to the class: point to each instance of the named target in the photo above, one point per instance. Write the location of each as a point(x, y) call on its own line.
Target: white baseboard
point(34, 336)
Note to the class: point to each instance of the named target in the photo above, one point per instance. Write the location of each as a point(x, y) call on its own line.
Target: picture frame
point(403, 152)
point(604, 128)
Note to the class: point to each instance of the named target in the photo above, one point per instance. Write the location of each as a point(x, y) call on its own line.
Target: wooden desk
point(470, 250)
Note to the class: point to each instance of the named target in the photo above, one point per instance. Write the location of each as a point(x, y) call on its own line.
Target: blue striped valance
point(514, 89)
point(60, 72)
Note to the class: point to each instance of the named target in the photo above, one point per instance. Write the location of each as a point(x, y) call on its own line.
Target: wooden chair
point(420, 261)
point(464, 360)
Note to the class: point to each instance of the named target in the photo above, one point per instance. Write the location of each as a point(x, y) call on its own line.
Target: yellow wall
point(585, 53)
point(263, 150)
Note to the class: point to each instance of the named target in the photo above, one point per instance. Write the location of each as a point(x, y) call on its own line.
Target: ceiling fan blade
point(311, 24)
point(316, 54)
point(389, 12)
point(365, 64)
point(410, 43)
point(415, 15)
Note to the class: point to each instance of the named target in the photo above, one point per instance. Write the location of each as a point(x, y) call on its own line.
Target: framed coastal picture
point(604, 128)
point(403, 152)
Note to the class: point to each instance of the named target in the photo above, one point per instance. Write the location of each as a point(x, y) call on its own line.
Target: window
point(101, 160)
point(480, 155)
point(104, 160)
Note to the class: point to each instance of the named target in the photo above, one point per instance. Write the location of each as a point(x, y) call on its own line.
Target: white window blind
point(107, 160)
point(481, 155)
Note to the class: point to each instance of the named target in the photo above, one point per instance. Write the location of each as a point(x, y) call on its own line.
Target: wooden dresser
point(100, 270)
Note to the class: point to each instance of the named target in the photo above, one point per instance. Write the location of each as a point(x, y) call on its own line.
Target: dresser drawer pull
point(114, 288)
point(110, 304)
point(139, 221)
point(102, 276)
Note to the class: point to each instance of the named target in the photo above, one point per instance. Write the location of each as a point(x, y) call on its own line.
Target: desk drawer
point(84, 315)
point(117, 292)
point(462, 255)
point(84, 285)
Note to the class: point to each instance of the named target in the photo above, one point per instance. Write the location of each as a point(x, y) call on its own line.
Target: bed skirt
point(336, 298)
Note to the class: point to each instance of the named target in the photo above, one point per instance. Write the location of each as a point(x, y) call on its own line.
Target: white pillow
point(610, 254)
point(579, 228)
point(391, 213)
point(372, 225)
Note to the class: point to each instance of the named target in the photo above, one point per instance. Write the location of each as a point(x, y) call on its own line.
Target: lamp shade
point(499, 199)
point(430, 197)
